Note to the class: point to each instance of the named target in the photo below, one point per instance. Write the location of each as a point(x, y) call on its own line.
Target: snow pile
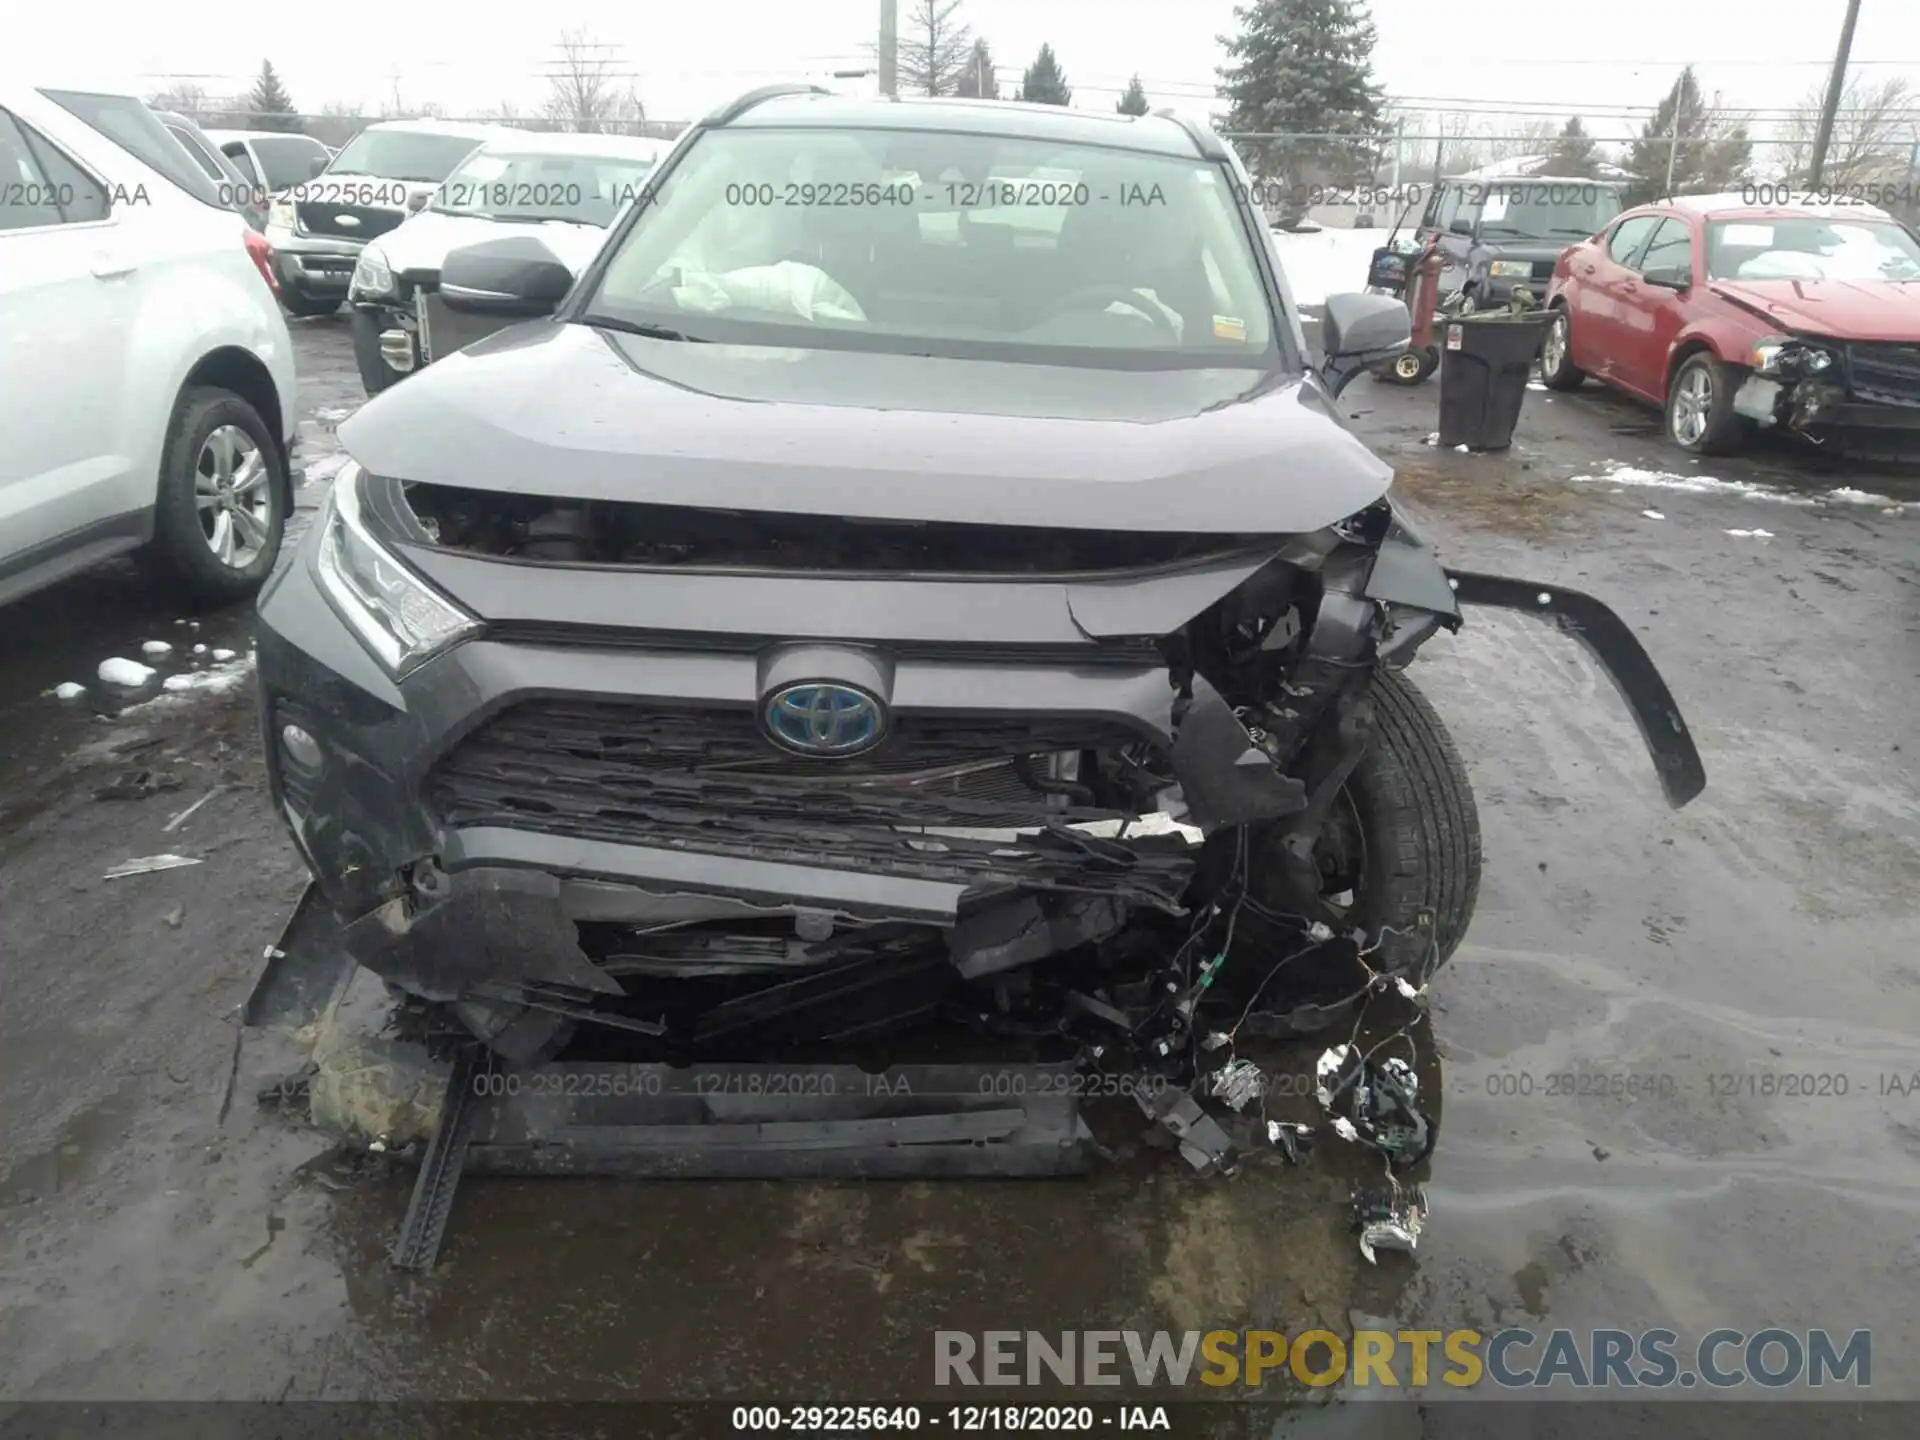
point(130, 673)
point(69, 691)
point(1752, 534)
point(1619, 474)
point(1328, 262)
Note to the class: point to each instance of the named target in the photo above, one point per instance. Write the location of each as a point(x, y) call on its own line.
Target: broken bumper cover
point(1605, 636)
point(466, 819)
point(1821, 406)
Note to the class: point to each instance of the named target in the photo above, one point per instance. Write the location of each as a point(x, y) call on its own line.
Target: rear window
point(403, 155)
point(138, 131)
point(288, 159)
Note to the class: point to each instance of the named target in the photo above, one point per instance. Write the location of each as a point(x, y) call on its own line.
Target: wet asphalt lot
point(149, 1249)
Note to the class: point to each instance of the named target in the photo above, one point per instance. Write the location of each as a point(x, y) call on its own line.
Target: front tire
point(1700, 415)
point(1399, 856)
point(223, 499)
point(1557, 369)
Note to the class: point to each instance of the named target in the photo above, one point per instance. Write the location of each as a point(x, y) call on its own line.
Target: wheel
point(1400, 855)
point(223, 499)
point(516, 1033)
point(1410, 367)
point(1556, 353)
point(1700, 414)
point(303, 308)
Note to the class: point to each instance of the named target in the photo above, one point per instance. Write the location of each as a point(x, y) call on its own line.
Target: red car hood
point(1840, 309)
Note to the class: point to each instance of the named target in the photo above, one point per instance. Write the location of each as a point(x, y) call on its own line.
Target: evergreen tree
point(1573, 152)
point(1134, 102)
point(1044, 83)
point(1709, 152)
point(977, 81)
point(269, 107)
point(1304, 67)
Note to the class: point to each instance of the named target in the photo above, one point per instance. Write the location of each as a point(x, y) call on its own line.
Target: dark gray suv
point(1498, 234)
point(914, 570)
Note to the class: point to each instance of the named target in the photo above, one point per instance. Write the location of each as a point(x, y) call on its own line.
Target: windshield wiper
point(642, 327)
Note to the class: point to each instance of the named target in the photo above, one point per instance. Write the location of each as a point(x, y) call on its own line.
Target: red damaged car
point(1739, 317)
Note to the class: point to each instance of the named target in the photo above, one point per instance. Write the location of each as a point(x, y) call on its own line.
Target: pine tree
point(1134, 102)
point(269, 107)
point(977, 81)
point(1709, 153)
point(1304, 67)
point(1044, 82)
point(1573, 152)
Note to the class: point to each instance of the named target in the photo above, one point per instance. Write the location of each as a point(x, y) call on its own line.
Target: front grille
point(1543, 269)
point(1885, 374)
point(704, 779)
point(318, 218)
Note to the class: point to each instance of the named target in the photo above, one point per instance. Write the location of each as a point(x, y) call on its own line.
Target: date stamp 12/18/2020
point(1784, 1084)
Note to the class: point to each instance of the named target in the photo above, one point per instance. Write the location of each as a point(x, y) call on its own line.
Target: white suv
point(146, 373)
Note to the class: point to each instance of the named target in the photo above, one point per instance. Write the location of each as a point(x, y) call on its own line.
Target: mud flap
point(1606, 637)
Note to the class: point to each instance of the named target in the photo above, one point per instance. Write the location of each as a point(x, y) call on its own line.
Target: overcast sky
point(687, 56)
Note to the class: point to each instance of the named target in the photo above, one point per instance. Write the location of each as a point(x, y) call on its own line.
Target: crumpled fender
point(1606, 637)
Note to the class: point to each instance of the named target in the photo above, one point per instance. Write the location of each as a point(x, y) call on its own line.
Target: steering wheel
point(1101, 296)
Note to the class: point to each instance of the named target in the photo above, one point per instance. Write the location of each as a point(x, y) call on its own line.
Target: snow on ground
point(121, 671)
point(1614, 473)
point(322, 467)
point(1327, 262)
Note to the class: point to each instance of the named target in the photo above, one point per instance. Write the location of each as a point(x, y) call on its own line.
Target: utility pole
point(889, 47)
point(1824, 136)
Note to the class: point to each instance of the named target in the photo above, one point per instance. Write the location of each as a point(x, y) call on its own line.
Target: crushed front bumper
point(467, 819)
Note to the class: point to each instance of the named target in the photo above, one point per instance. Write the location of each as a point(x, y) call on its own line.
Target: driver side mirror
point(1461, 227)
point(1670, 277)
point(419, 200)
point(318, 165)
point(517, 276)
point(1359, 332)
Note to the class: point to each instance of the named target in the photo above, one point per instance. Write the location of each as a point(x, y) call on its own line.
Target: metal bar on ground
point(425, 1225)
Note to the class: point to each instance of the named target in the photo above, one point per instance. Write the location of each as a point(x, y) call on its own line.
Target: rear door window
point(1628, 237)
point(128, 122)
point(40, 185)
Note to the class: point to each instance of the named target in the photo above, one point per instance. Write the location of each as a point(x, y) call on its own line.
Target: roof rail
point(734, 109)
point(1210, 145)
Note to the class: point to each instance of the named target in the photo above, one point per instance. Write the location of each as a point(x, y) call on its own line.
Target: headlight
point(280, 215)
point(401, 618)
point(1790, 355)
point(371, 274)
point(1511, 267)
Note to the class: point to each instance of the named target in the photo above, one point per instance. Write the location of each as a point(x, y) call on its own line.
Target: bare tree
point(1873, 133)
point(587, 91)
point(1508, 139)
point(934, 49)
point(185, 96)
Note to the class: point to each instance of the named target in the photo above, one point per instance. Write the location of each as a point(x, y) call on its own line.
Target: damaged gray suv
point(915, 572)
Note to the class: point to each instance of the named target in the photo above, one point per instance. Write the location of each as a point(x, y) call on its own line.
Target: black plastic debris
point(137, 785)
point(1203, 1144)
point(1388, 1220)
point(1293, 1140)
point(1375, 1104)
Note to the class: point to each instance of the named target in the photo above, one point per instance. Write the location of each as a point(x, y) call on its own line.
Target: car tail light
point(261, 254)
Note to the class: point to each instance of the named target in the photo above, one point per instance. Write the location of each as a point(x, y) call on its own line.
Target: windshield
point(1811, 249)
point(932, 243)
point(586, 189)
point(1548, 212)
point(287, 159)
point(403, 155)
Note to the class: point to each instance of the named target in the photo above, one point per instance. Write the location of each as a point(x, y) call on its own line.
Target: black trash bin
point(1484, 362)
